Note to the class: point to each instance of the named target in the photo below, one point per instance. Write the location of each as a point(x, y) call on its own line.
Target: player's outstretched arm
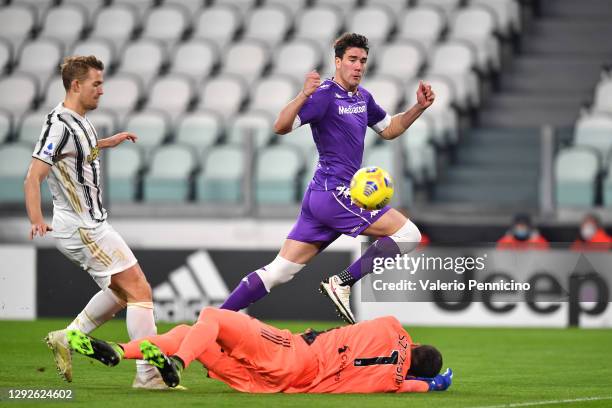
point(116, 140)
point(440, 382)
point(38, 171)
point(286, 117)
point(402, 121)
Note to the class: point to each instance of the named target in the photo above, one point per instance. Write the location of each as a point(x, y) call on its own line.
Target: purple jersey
point(338, 120)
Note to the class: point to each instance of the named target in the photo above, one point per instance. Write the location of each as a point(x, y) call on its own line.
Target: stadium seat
point(595, 131)
point(121, 94)
point(150, 126)
point(116, 24)
point(249, 50)
point(54, 93)
point(319, 24)
point(576, 170)
point(259, 122)
point(141, 7)
point(166, 24)
point(6, 126)
point(395, 6)
point(40, 58)
point(267, 24)
point(375, 22)
point(271, 185)
point(294, 7)
point(90, 8)
point(144, 59)
point(423, 25)
point(104, 121)
point(192, 6)
point(296, 58)
point(387, 92)
point(447, 6)
point(603, 96)
point(403, 60)
point(17, 22)
point(420, 153)
point(168, 178)
point(17, 93)
point(101, 48)
point(171, 94)
point(456, 60)
point(345, 7)
point(122, 168)
point(300, 137)
point(195, 58)
point(272, 94)
point(218, 182)
point(217, 24)
point(223, 94)
point(507, 13)
point(14, 161)
point(442, 113)
point(199, 130)
point(244, 7)
point(30, 127)
point(477, 26)
point(65, 24)
point(607, 187)
point(6, 55)
point(383, 156)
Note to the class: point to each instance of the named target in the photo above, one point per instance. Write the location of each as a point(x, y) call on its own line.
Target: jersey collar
point(343, 91)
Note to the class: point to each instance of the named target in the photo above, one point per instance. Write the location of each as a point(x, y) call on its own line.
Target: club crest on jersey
point(48, 150)
point(93, 155)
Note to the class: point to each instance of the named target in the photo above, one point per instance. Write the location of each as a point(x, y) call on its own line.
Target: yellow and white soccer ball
point(371, 188)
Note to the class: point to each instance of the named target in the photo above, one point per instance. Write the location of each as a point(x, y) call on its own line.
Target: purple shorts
point(325, 215)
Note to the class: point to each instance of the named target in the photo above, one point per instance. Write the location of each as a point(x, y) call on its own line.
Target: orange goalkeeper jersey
point(371, 356)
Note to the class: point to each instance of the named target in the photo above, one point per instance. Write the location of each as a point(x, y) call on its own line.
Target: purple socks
point(250, 290)
point(382, 247)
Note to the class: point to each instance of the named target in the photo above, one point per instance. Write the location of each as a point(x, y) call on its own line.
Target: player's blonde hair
point(77, 67)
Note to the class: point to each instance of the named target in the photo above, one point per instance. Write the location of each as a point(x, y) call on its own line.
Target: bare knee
point(132, 285)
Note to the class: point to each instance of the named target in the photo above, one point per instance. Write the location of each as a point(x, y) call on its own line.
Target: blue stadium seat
point(218, 182)
point(168, 178)
point(276, 175)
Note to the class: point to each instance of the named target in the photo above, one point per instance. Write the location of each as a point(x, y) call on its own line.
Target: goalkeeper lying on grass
point(372, 356)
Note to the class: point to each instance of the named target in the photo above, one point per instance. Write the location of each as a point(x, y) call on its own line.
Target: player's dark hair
point(77, 67)
point(425, 361)
point(350, 40)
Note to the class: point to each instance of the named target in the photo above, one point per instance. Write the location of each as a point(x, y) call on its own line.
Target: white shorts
point(100, 251)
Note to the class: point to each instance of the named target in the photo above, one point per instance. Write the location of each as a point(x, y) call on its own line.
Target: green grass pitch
point(493, 367)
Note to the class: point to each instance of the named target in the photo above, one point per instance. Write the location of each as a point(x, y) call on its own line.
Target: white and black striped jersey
point(68, 142)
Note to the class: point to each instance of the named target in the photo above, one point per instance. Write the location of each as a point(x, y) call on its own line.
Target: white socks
point(101, 308)
point(141, 323)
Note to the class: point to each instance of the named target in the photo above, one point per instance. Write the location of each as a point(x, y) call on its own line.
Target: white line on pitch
point(534, 403)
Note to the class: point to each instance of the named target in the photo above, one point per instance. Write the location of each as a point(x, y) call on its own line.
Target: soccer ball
point(371, 188)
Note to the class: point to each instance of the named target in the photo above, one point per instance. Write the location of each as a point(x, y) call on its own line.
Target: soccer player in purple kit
point(338, 111)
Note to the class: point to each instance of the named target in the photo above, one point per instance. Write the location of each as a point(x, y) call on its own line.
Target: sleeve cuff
point(383, 124)
point(49, 161)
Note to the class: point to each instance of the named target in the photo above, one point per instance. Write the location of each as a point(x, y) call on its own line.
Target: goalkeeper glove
point(440, 382)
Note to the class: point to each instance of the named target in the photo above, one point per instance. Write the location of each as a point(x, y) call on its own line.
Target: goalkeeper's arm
point(440, 382)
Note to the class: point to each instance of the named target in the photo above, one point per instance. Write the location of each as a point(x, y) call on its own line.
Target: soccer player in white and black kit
point(67, 156)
